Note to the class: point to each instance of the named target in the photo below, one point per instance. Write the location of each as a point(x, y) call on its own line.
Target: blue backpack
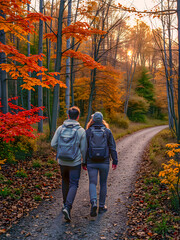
point(98, 145)
point(68, 143)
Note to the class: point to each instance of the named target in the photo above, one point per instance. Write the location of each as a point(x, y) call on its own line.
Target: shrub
point(170, 175)
point(20, 149)
point(119, 120)
point(137, 109)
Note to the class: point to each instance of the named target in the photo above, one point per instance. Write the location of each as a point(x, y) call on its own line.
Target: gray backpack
point(68, 143)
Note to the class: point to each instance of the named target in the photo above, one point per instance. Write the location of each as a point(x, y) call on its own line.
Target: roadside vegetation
point(155, 211)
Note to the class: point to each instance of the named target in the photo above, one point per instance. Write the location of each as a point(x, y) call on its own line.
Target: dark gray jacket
point(111, 146)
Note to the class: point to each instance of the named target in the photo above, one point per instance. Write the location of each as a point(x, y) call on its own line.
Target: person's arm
point(112, 148)
point(54, 141)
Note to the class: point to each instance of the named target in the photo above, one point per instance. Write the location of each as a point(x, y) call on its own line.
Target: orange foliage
point(79, 30)
point(88, 10)
point(82, 88)
point(109, 90)
point(18, 20)
point(28, 64)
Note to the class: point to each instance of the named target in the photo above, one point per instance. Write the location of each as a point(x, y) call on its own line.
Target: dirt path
point(47, 223)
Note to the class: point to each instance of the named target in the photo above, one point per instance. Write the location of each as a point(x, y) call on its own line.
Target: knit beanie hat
point(97, 117)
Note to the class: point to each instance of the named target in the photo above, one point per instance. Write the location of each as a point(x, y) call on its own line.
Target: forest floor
point(46, 221)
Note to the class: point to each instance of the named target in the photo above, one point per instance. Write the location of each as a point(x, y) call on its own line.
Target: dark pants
point(93, 170)
point(70, 182)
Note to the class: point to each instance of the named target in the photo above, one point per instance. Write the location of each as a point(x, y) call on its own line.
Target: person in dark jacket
point(70, 170)
point(101, 166)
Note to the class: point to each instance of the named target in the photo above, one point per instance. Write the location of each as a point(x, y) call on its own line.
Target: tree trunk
point(178, 15)
point(57, 69)
point(28, 53)
point(40, 50)
point(171, 70)
point(48, 52)
point(166, 72)
point(3, 81)
point(68, 62)
point(72, 75)
point(15, 83)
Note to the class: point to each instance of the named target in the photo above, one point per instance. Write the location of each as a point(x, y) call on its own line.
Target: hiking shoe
point(102, 209)
point(66, 213)
point(93, 212)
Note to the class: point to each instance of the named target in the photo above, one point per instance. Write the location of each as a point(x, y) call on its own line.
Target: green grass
point(51, 161)
point(18, 191)
point(37, 198)
point(48, 174)
point(5, 192)
point(21, 173)
point(157, 149)
point(36, 164)
point(162, 227)
point(151, 180)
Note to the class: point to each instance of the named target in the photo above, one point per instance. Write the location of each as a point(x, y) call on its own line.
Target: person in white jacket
point(70, 141)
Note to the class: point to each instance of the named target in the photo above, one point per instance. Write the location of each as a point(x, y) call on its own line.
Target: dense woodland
point(56, 54)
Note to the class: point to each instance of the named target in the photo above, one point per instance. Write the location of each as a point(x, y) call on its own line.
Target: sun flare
point(129, 53)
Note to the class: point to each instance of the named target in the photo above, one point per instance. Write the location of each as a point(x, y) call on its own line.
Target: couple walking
point(96, 145)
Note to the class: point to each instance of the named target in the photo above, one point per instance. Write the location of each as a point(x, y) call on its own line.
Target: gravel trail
point(47, 223)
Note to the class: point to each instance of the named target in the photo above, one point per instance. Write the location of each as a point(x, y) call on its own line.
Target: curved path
point(47, 222)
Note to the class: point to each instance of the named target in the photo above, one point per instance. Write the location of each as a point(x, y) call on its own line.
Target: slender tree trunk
point(166, 72)
point(171, 69)
point(178, 15)
point(3, 81)
point(48, 47)
point(72, 75)
point(57, 69)
point(68, 62)
point(116, 49)
point(40, 50)
point(28, 53)
point(15, 83)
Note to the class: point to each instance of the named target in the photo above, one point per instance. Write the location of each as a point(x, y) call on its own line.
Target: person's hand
point(84, 167)
point(114, 166)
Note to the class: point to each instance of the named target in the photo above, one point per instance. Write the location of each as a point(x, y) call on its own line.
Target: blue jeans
point(93, 170)
point(70, 183)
